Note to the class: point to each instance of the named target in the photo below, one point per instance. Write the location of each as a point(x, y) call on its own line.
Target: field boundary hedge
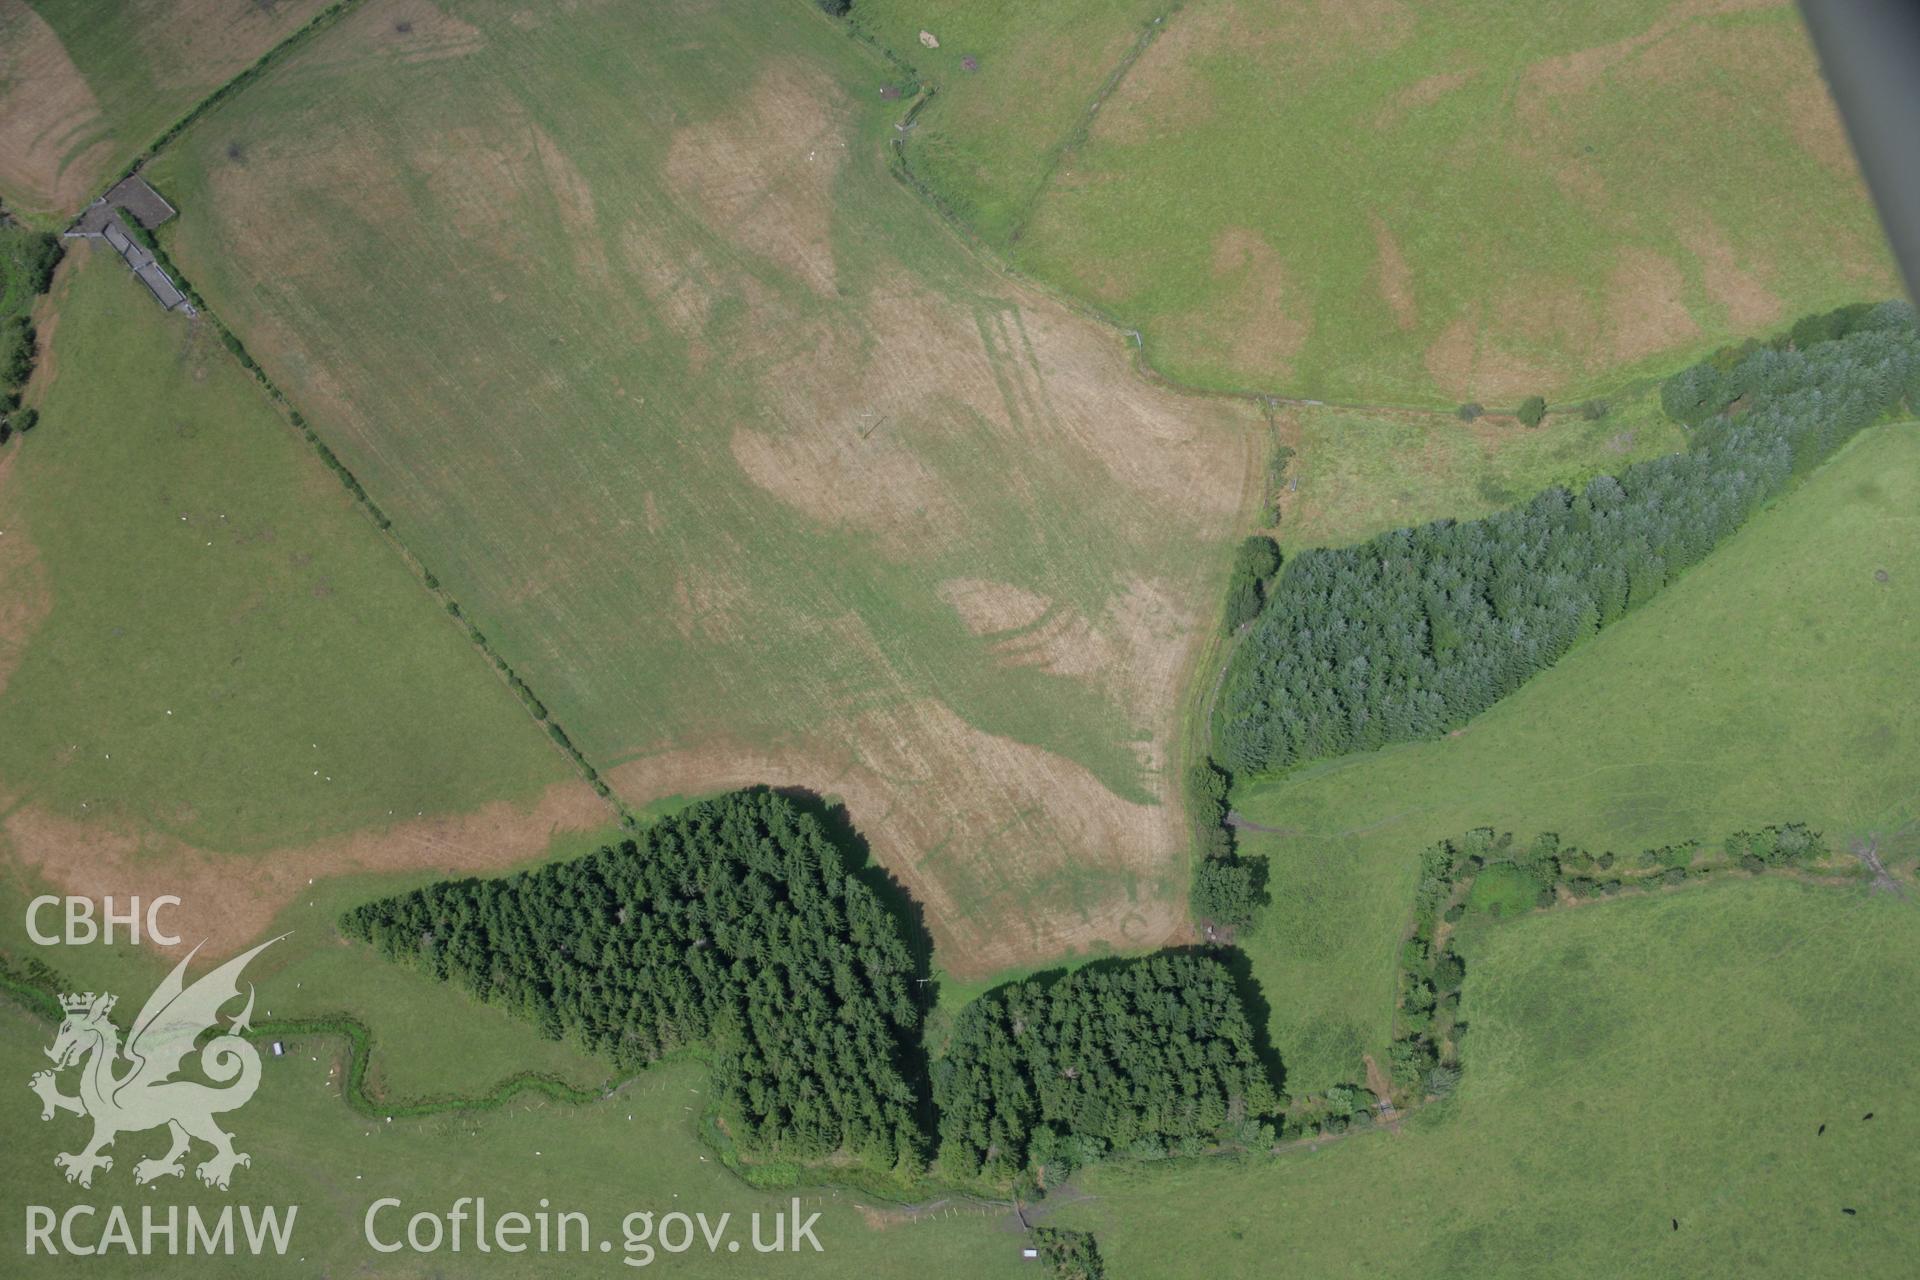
point(425, 576)
point(240, 80)
point(1544, 875)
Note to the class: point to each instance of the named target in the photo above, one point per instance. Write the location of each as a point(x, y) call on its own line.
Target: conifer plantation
point(1414, 632)
point(733, 926)
point(1143, 1057)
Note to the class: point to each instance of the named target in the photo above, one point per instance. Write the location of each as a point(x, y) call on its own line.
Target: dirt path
point(1239, 823)
point(1378, 1084)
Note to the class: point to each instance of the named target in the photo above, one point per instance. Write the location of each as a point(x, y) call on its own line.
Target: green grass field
point(1356, 473)
point(1410, 204)
point(996, 129)
point(636, 1151)
point(1629, 1063)
point(746, 465)
point(209, 653)
point(1772, 684)
point(86, 85)
point(1503, 890)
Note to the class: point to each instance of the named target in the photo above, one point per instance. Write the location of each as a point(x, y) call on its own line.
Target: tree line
point(1412, 633)
point(27, 260)
point(1228, 890)
point(734, 927)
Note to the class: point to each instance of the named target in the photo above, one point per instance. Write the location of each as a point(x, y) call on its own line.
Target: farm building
point(148, 208)
point(149, 272)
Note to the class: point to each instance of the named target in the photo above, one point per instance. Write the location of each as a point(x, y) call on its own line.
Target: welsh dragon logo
point(127, 1089)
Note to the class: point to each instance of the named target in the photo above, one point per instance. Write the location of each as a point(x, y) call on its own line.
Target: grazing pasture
point(1774, 683)
point(988, 142)
point(636, 1151)
point(740, 458)
point(1386, 201)
point(1628, 1064)
point(86, 85)
point(1356, 472)
point(215, 679)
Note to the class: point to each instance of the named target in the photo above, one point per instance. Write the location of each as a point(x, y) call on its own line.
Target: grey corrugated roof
point(164, 290)
point(148, 207)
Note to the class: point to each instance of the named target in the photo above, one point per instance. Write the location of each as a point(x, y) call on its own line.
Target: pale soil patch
point(574, 199)
point(763, 174)
point(476, 174)
point(712, 605)
point(46, 323)
point(1154, 625)
point(1583, 69)
point(46, 109)
point(1377, 1082)
point(836, 478)
point(1669, 48)
point(1645, 311)
point(1748, 49)
point(1420, 95)
point(1133, 651)
point(1377, 26)
point(250, 197)
point(1163, 93)
point(1450, 357)
point(677, 279)
point(1064, 644)
point(1579, 181)
point(1175, 455)
point(964, 818)
point(1394, 276)
point(231, 899)
point(1256, 318)
point(1865, 261)
point(1166, 92)
point(1775, 64)
point(1815, 124)
point(1749, 303)
point(847, 401)
point(1466, 362)
point(987, 607)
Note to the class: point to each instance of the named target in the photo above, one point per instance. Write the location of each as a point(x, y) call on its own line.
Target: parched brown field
point(230, 903)
point(46, 111)
point(742, 460)
point(85, 84)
